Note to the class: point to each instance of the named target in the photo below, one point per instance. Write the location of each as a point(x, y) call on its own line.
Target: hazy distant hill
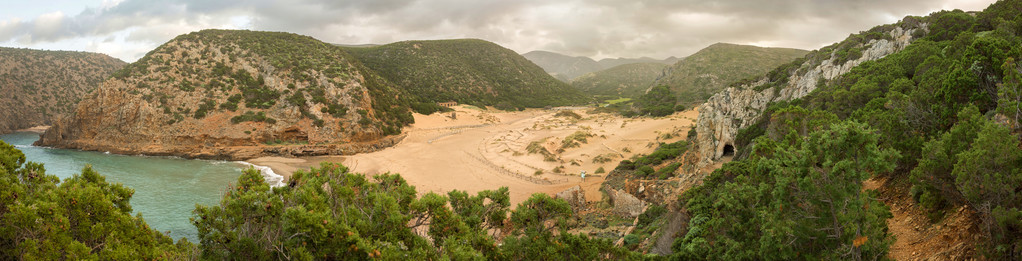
point(223, 93)
point(567, 68)
point(628, 80)
point(562, 66)
point(709, 70)
point(39, 85)
point(608, 63)
point(467, 71)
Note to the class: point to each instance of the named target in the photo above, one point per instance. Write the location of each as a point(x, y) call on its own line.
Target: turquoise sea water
point(166, 188)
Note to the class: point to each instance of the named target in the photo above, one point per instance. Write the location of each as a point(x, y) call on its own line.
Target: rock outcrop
point(236, 95)
point(625, 204)
point(575, 196)
point(725, 113)
point(39, 86)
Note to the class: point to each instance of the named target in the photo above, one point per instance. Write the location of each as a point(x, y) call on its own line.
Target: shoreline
point(37, 129)
point(470, 152)
point(285, 166)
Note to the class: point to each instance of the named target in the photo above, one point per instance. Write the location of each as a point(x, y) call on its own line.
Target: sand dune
point(477, 150)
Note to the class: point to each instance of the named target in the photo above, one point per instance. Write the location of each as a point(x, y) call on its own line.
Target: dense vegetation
point(82, 217)
point(711, 69)
point(323, 213)
point(649, 166)
point(629, 80)
point(658, 101)
point(942, 115)
point(467, 71)
point(40, 85)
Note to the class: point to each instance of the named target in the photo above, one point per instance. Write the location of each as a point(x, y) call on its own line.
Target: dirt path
point(916, 238)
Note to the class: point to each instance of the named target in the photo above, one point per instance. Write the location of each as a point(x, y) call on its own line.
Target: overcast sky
point(127, 29)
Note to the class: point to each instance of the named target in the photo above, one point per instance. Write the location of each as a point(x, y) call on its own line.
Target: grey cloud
point(576, 27)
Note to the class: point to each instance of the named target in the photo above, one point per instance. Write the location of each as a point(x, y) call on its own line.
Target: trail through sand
point(476, 150)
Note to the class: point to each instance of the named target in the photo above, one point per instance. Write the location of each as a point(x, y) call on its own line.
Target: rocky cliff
point(236, 95)
point(736, 107)
point(39, 85)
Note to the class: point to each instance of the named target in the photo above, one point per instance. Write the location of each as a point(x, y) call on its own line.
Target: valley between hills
point(484, 150)
point(902, 141)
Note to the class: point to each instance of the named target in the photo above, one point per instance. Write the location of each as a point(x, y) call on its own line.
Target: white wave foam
point(271, 177)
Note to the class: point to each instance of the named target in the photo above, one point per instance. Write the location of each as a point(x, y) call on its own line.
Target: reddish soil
point(916, 238)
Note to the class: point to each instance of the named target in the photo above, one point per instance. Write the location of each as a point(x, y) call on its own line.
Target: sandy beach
point(475, 150)
point(36, 129)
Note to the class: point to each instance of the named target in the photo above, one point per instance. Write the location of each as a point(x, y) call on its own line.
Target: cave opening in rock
point(729, 150)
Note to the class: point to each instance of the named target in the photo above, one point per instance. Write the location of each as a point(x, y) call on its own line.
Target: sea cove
point(166, 188)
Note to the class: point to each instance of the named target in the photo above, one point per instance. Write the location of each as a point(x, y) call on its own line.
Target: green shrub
point(250, 116)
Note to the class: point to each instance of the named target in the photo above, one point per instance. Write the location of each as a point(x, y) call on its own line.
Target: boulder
point(575, 196)
point(625, 204)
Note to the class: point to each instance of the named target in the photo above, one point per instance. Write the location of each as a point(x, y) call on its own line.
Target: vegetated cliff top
point(467, 71)
point(628, 80)
point(38, 85)
point(711, 69)
point(237, 88)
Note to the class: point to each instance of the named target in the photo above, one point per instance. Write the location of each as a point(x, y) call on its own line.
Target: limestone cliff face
point(725, 113)
point(236, 95)
point(38, 86)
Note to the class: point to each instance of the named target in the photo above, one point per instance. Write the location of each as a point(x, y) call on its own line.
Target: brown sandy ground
point(916, 238)
point(476, 150)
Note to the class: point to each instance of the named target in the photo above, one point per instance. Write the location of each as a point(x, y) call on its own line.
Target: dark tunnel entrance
point(729, 150)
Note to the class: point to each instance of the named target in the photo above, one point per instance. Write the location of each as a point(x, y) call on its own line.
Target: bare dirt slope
point(916, 238)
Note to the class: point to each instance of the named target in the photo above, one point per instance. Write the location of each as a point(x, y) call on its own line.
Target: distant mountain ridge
point(39, 85)
point(567, 68)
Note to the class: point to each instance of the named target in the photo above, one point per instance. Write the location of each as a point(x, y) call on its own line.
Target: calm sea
point(166, 188)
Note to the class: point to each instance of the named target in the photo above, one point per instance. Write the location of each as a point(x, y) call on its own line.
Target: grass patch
point(576, 139)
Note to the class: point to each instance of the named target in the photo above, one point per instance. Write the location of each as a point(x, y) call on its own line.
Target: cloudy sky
point(127, 29)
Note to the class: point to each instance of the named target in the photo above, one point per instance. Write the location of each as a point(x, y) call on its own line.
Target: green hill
point(629, 80)
point(927, 130)
point(40, 85)
point(709, 70)
point(467, 71)
point(207, 90)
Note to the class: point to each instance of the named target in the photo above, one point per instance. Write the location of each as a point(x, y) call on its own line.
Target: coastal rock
point(725, 113)
point(39, 86)
point(575, 196)
point(221, 94)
